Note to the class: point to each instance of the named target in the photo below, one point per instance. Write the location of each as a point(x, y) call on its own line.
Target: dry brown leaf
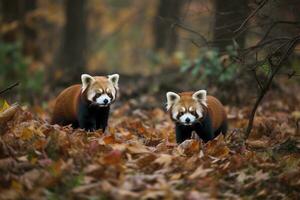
point(189, 147)
point(217, 147)
point(164, 159)
point(112, 158)
point(257, 143)
point(7, 114)
point(196, 195)
point(84, 188)
point(137, 148)
point(146, 160)
point(200, 172)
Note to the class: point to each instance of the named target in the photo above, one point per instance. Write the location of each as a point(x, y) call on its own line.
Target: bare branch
point(274, 24)
point(260, 6)
point(268, 42)
point(265, 88)
point(257, 80)
point(184, 27)
point(9, 87)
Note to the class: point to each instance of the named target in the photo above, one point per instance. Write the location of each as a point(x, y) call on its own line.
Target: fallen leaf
point(164, 159)
point(189, 147)
point(200, 172)
point(112, 158)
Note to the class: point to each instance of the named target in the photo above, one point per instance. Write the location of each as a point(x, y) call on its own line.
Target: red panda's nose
point(187, 120)
point(105, 101)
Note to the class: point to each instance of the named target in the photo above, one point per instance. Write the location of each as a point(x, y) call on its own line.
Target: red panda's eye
point(195, 114)
point(109, 94)
point(180, 114)
point(97, 95)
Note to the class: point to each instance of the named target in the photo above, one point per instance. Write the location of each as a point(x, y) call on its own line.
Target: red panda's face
point(100, 90)
point(186, 108)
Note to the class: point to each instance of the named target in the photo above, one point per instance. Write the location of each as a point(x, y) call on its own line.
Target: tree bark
point(11, 12)
point(165, 35)
point(72, 53)
point(16, 11)
point(229, 14)
point(30, 46)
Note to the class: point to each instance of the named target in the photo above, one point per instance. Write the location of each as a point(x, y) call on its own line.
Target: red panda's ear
point(200, 96)
point(114, 79)
point(86, 81)
point(172, 98)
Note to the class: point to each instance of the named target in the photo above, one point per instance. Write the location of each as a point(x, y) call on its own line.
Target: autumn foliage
point(138, 159)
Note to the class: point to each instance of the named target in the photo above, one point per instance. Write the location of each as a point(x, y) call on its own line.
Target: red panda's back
point(216, 111)
point(65, 107)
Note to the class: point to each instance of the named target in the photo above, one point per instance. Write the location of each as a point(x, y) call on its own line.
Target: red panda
point(194, 111)
point(86, 105)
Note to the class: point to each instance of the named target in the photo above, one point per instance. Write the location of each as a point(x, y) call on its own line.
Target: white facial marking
point(199, 114)
point(199, 111)
point(90, 95)
point(104, 99)
point(111, 90)
point(174, 115)
point(190, 109)
point(187, 118)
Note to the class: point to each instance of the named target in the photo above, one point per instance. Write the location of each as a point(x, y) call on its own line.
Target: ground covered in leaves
point(138, 159)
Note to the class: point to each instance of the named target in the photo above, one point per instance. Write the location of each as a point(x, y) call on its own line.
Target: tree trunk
point(165, 35)
point(72, 54)
point(11, 12)
point(16, 11)
point(229, 15)
point(30, 46)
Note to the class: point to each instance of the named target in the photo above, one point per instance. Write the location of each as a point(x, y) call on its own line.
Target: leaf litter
point(137, 158)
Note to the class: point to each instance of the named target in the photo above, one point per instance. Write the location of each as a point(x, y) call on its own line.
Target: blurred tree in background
point(229, 14)
point(11, 12)
point(18, 40)
point(72, 53)
point(16, 14)
point(165, 34)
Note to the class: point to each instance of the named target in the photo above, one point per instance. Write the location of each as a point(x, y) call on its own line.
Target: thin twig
point(260, 6)
point(274, 24)
point(268, 42)
point(257, 80)
point(9, 87)
point(184, 27)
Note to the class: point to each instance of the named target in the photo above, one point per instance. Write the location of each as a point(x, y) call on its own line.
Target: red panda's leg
point(85, 119)
point(182, 133)
point(101, 123)
point(87, 123)
point(204, 129)
point(101, 117)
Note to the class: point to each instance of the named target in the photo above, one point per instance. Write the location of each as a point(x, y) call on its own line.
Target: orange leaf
point(112, 158)
point(189, 147)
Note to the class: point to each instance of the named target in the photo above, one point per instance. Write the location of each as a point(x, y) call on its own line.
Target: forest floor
point(137, 157)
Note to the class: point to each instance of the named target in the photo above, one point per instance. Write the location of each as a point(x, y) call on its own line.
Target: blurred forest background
point(156, 46)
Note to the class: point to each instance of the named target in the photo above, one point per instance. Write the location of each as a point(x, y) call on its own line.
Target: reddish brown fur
point(66, 104)
point(215, 109)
